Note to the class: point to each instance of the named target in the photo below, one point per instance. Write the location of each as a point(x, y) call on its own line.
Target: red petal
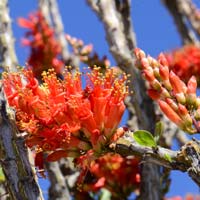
point(56, 155)
point(25, 23)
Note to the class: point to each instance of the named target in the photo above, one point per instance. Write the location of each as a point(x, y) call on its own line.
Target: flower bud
point(191, 92)
point(164, 72)
point(162, 59)
point(156, 72)
point(172, 104)
point(149, 76)
point(139, 53)
point(165, 93)
point(180, 98)
point(170, 113)
point(144, 63)
point(177, 85)
point(192, 85)
point(150, 61)
point(155, 84)
point(191, 100)
point(183, 113)
point(154, 63)
point(167, 85)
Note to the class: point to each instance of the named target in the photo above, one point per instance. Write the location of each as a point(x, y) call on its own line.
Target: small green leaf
point(105, 194)
point(158, 131)
point(144, 138)
point(2, 177)
point(167, 157)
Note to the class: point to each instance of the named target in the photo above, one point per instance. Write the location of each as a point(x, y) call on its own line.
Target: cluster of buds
point(86, 53)
point(64, 119)
point(45, 49)
point(177, 100)
point(112, 172)
point(185, 62)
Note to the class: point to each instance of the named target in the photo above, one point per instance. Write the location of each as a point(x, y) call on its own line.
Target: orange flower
point(61, 115)
point(113, 116)
point(107, 98)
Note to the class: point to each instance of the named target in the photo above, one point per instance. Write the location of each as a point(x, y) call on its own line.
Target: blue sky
point(154, 29)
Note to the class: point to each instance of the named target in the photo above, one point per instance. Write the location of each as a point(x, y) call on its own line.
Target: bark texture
point(8, 59)
point(21, 180)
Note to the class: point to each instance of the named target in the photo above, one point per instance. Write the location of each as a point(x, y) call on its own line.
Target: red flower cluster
point(185, 62)
point(61, 117)
point(188, 197)
point(119, 175)
point(176, 99)
point(45, 50)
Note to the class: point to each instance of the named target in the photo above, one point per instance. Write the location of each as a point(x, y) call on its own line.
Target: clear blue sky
point(155, 33)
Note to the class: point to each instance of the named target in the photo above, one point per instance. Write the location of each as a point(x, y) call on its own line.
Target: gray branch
point(58, 189)
point(185, 160)
point(59, 29)
point(44, 9)
point(8, 59)
point(19, 174)
point(188, 9)
point(175, 9)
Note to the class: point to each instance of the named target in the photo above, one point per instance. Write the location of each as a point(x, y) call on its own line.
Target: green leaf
point(105, 194)
point(167, 157)
point(2, 177)
point(144, 138)
point(158, 131)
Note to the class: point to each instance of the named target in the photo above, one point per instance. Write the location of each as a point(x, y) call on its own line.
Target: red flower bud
point(139, 53)
point(164, 72)
point(155, 84)
point(170, 113)
point(182, 110)
point(180, 97)
point(177, 85)
point(162, 59)
point(149, 76)
point(145, 63)
point(172, 104)
point(192, 85)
